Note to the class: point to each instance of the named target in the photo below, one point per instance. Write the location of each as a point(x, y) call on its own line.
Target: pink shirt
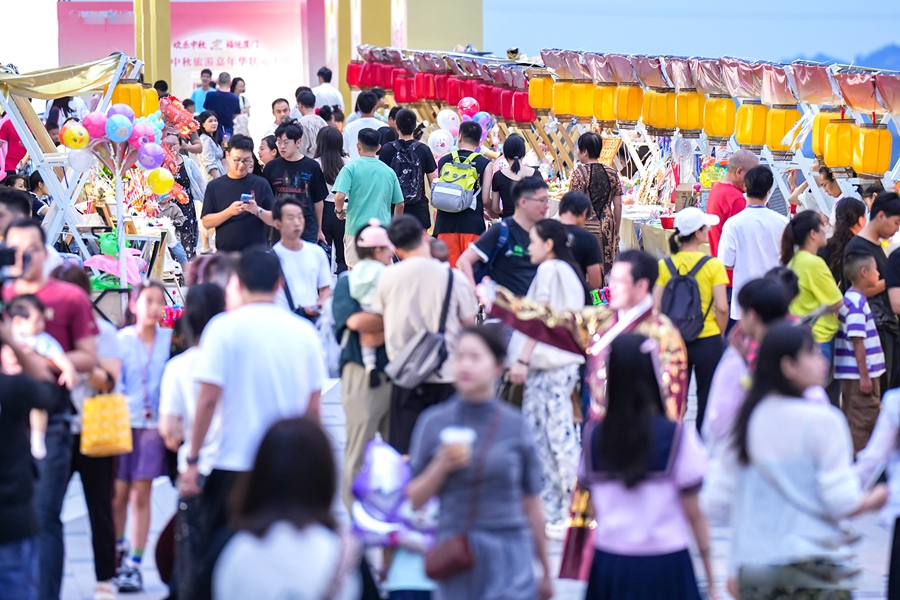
point(648, 519)
point(15, 150)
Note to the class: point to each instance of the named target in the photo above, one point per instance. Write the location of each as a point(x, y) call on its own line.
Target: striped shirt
point(856, 321)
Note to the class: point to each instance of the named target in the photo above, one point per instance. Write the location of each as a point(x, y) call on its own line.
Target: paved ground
point(79, 570)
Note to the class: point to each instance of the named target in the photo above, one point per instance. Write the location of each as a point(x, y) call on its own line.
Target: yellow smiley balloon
point(75, 137)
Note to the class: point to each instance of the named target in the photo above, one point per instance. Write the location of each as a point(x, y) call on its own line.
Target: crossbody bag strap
point(286, 286)
point(477, 477)
point(446, 308)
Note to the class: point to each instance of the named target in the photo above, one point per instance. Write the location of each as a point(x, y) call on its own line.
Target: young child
point(858, 357)
point(26, 314)
point(375, 249)
point(169, 209)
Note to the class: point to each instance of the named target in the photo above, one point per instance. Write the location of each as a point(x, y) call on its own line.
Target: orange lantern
point(605, 105)
point(628, 105)
point(658, 112)
point(151, 101)
point(719, 119)
point(540, 92)
point(872, 150)
point(750, 125)
point(562, 98)
point(130, 92)
point(840, 140)
point(583, 101)
point(779, 121)
point(820, 122)
point(689, 113)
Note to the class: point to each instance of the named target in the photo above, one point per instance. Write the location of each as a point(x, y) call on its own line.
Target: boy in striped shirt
point(858, 357)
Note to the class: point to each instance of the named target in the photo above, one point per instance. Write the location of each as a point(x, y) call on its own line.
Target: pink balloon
point(95, 123)
point(141, 134)
point(468, 106)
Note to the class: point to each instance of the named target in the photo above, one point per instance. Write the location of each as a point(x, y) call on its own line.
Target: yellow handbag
point(105, 426)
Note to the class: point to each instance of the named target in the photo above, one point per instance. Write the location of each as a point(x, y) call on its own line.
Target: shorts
point(350, 255)
point(147, 460)
point(457, 243)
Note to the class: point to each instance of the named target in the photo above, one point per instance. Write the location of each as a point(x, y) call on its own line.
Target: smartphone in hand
point(246, 198)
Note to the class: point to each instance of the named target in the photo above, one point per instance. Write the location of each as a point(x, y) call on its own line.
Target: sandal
point(105, 591)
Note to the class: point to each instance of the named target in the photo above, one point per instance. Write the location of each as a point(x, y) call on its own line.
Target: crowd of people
point(474, 323)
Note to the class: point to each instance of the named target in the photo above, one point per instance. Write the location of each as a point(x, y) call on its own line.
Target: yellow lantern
point(540, 95)
point(719, 119)
point(820, 121)
point(750, 125)
point(130, 92)
point(658, 112)
point(605, 104)
point(582, 100)
point(872, 150)
point(689, 113)
point(779, 122)
point(629, 98)
point(840, 140)
point(151, 101)
point(562, 98)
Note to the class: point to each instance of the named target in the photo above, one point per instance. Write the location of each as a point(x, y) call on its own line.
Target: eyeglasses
point(247, 162)
point(544, 202)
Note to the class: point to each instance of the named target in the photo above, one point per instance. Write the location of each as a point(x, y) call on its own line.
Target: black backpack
point(681, 301)
point(406, 165)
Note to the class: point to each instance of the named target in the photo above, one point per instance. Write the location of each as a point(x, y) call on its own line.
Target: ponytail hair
point(796, 233)
point(514, 151)
point(678, 240)
point(553, 230)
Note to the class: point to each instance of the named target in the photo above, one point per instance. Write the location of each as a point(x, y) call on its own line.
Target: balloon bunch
point(119, 142)
point(382, 515)
point(443, 141)
point(171, 314)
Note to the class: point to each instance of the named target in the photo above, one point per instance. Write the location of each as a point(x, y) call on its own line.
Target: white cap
point(691, 219)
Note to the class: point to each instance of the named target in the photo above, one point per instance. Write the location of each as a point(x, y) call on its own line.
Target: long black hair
point(782, 341)
point(797, 231)
point(553, 230)
point(202, 119)
point(846, 216)
point(294, 478)
point(330, 148)
point(633, 397)
point(514, 151)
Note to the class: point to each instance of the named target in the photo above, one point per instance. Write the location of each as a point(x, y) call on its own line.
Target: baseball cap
point(374, 236)
point(691, 219)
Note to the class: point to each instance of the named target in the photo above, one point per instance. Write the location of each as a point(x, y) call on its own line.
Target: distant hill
point(887, 58)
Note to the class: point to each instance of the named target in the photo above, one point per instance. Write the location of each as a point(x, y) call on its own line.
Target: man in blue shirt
point(225, 104)
point(199, 94)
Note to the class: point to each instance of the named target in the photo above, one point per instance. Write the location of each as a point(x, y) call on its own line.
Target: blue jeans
point(179, 254)
point(19, 569)
point(827, 349)
point(49, 493)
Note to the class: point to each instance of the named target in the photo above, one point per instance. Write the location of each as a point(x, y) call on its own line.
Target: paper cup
point(460, 438)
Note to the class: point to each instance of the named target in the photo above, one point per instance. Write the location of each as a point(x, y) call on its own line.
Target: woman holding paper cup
point(476, 455)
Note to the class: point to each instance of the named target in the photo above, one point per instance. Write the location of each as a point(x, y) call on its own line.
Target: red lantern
point(369, 74)
point(395, 75)
point(522, 111)
point(495, 106)
point(454, 90)
point(483, 95)
point(354, 68)
point(470, 86)
point(425, 86)
point(405, 89)
point(440, 86)
point(506, 104)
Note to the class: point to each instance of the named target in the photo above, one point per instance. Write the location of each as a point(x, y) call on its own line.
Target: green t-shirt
point(817, 288)
point(371, 187)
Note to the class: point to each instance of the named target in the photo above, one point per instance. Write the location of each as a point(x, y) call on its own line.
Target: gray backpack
point(455, 189)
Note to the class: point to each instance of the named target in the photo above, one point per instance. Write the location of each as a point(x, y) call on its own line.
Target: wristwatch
point(192, 460)
point(259, 211)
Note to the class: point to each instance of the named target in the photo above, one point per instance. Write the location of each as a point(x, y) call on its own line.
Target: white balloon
point(81, 160)
point(441, 142)
point(449, 121)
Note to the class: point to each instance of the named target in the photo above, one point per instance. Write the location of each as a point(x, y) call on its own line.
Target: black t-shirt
point(512, 266)
point(881, 305)
point(504, 185)
point(469, 220)
point(225, 105)
point(304, 179)
point(18, 395)
point(423, 152)
point(825, 254)
point(586, 250)
point(244, 230)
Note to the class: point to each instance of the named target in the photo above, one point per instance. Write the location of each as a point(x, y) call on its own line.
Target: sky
point(762, 29)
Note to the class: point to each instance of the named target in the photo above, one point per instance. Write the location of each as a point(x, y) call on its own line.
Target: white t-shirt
point(107, 348)
point(285, 563)
point(178, 398)
point(351, 133)
point(267, 363)
point(751, 243)
point(305, 271)
point(328, 94)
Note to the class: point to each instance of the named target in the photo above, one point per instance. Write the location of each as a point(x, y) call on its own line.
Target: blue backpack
point(483, 269)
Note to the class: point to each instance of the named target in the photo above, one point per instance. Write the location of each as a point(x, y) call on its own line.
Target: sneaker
point(129, 580)
point(105, 590)
point(122, 551)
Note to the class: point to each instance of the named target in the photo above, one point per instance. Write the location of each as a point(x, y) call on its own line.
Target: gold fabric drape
point(72, 80)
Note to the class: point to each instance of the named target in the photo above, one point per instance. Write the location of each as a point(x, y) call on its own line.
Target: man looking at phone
point(238, 205)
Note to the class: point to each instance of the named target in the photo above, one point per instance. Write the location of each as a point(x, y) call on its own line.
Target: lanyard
point(145, 370)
